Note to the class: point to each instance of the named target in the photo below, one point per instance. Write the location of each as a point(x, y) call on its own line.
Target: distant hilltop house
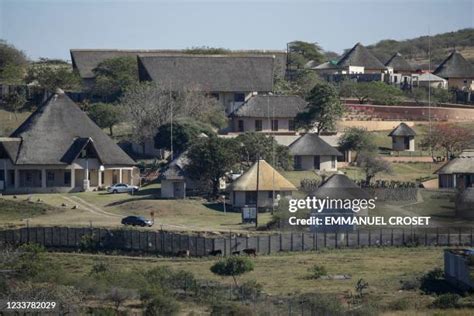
point(271, 186)
point(230, 79)
point(311, 152)
point(268, 114)
point(86, 60)
point(403, 138)
point(458, 172)
point(59, 149)
point(457, 71)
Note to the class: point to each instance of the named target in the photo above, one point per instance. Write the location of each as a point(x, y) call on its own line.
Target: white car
point(122, 188)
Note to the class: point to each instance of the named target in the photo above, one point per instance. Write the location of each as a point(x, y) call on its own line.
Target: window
point(250, 197)
point(270, 194)
point(50, 176)
point(395, 79)
point(297, 162)
point(241, 126)
point(317, 162)
point(67, 177)
point(239, 97)
point(29, 176)
point(274, 125)
point(333, 162)
point(291, 125)
point(258, 125)
point(2, 175)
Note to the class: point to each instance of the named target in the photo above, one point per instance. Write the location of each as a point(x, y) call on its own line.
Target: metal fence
point(173, 243)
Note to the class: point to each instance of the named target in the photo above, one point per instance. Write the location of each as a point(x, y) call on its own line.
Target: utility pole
point(258, 182)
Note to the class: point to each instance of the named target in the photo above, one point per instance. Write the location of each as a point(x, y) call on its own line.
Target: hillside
point(416, 50)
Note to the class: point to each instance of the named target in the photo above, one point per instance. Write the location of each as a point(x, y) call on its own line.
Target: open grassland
point(286, 275)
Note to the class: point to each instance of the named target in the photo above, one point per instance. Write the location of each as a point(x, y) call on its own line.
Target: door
point(317, 162)
point(178, 191)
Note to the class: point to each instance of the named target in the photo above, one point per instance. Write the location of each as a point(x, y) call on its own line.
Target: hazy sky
point(49, 28)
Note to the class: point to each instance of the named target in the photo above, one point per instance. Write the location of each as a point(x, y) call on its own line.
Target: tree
point(185, 133)
point(15, 101)
point(372, 165)
point(448, 137)
point(105, 115)
point(301, 52)
point(146, 107)
point(258, 145)
point(300, 84)
point(232, 266)
point(114, 76)
point(13, 63)
point(211, 158)
point(377, 92)
point(324, 109)
point(357, 139)
point(52, 76)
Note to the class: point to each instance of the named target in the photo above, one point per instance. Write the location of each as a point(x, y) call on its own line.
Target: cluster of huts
point(58, 148)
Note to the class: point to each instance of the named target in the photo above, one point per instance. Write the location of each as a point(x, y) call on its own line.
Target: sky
point(49, 28)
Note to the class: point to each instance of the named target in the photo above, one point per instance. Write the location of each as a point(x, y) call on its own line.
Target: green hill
point(416, 50)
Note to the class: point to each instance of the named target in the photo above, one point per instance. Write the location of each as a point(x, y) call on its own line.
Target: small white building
point(174, 181)
point(403, 138)
point(271, 186)
point(311, 152)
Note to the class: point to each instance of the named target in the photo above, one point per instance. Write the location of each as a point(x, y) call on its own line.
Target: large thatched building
point(59, 149)
point(458, 71)
point(271, 186)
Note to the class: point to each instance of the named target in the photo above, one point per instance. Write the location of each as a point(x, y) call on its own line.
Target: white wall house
point(403, 138)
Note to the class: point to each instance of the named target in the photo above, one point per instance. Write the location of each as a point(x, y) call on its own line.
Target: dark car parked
point(137, 221)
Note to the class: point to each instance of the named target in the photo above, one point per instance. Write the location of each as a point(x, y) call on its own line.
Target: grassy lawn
point(286, 275)
point(14, 211)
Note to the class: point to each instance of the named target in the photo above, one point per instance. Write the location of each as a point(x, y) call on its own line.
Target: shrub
point(410, 284)
point(231, 309)
point(251, 289)
point(161, 305)
point(99, 268)
point(88, 243)
point(401, 304)
point(323, 304)
point(232, 266)
point(448, 300)
point(118, 296)
point(31, 261)
point(317, 272)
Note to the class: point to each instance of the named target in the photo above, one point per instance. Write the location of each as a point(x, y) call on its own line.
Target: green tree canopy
point(211, 158)
point(51, 76)
point(13, 63)
point(357, 139)
point(375, 91)
point(232, 266)
point(301, 52)
point(113, 76)
point(105, 115)
point(185, 133)
point(254, 145)
point(371, 164)
point(324, 109)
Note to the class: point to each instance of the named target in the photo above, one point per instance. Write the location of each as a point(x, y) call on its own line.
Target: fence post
point(269, 244)
point(314, 242)
point(291, 242)
point(358, 238)
point(426, 237)
point(302, 241)
point(281, 241)
point(325, 240)
point(258, 244)
point(347, 238)
point(391, 238)
point(381, 237)
point(403, 236)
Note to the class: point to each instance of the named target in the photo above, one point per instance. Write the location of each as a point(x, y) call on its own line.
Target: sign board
point(249, 214)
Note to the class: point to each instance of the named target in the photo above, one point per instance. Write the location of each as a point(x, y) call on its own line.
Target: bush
point(31, 261)
point(317, 272)
point(410, 284)
point(161, 305)
point(99, 268)
point(401, 304)
point(251, 290)
point(448, 300)
point(323, 304)
point(232, 266)
point(231, 309)
point(88, 243)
